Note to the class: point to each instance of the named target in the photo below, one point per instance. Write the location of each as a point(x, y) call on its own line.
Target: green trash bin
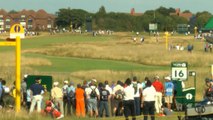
point(189, 95)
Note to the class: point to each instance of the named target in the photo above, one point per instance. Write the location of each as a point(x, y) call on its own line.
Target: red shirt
point(158, 86)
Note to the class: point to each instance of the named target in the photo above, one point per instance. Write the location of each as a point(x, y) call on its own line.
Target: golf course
point(78, 57)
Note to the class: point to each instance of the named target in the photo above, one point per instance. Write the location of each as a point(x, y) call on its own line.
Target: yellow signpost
point(195, 31)
point(16, 32)
point(166, 36)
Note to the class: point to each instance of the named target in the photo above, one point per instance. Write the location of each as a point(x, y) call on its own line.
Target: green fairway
point(46, 41)
point(70, 64)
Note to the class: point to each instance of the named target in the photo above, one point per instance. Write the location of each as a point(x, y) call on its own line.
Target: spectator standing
point(169, 90)
point(148, 102)
point(24, 90)
point(1, 94)
point(80, 103)
point(84, 86)
point(28, 97)
point(117, 98)
point(92, 94)
point(71, 99)
point(37, 91)
point(137, 95)
point(128, 101)
point(57, 96)
point(64, 89)
point(159, 91)
point(104, 101)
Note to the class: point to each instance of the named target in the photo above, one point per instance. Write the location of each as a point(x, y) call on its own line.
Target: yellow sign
point(17, 44)
point(7, 43)
point(16, 30)
point(166, 36)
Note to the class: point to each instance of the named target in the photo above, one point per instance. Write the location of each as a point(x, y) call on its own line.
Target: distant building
point(133, 13)
point(187, 15)
point(29, 19)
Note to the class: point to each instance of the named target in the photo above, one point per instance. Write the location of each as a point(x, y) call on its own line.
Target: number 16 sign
point(179, 70)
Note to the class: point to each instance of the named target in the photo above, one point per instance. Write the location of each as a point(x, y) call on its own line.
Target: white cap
point(167, 78)
point(55, 83)
point(25, 76)
point(66, 82)
point(157, 77)
point(7, 90)
point(94, 80)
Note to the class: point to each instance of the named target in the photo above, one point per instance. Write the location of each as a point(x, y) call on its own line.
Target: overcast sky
point(93, 6)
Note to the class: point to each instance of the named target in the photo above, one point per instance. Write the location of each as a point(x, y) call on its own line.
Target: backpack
point(93, 93)
point(71, 94)
point(118, 95)
point(135, 86)
point(104, 95)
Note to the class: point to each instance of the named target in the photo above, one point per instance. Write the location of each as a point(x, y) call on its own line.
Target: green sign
point(46, 81)
point(179, 70)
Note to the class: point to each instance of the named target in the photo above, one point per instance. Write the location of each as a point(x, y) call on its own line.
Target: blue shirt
point(169, 87)
point(70, 88)
point(36, 89)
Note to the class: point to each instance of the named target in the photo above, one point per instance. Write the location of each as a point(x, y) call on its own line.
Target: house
point(29, 19)
point(186, 15)
point(133, 13)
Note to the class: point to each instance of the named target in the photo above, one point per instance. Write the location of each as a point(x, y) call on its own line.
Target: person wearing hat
point(37, 89)
point(169, 90)
point(158, 85)
point(57, 96)
point(92, 95)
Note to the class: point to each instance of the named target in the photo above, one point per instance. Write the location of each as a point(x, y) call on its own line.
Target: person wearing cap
point(64, 89)
point(117, 103)
point(92, 99)
point(57, 96)
point(169, 90)
point(37, 90)
point(8, 100)
point(158, 85)
point(71, 98)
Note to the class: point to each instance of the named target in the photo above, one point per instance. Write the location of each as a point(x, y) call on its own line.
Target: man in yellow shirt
point(57, 96)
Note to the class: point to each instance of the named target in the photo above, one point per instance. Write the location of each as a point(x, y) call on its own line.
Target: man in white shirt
point(128, 101)
point(137, 94)
point(117, 98)
point(92, 94)
point(148, 101)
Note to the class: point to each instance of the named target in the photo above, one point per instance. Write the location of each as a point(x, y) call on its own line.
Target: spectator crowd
point(96, 99)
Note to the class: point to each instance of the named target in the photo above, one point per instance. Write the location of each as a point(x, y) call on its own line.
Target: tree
point(102, 10)
point(74, 17)
point(12, 12)
point(202, 18)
